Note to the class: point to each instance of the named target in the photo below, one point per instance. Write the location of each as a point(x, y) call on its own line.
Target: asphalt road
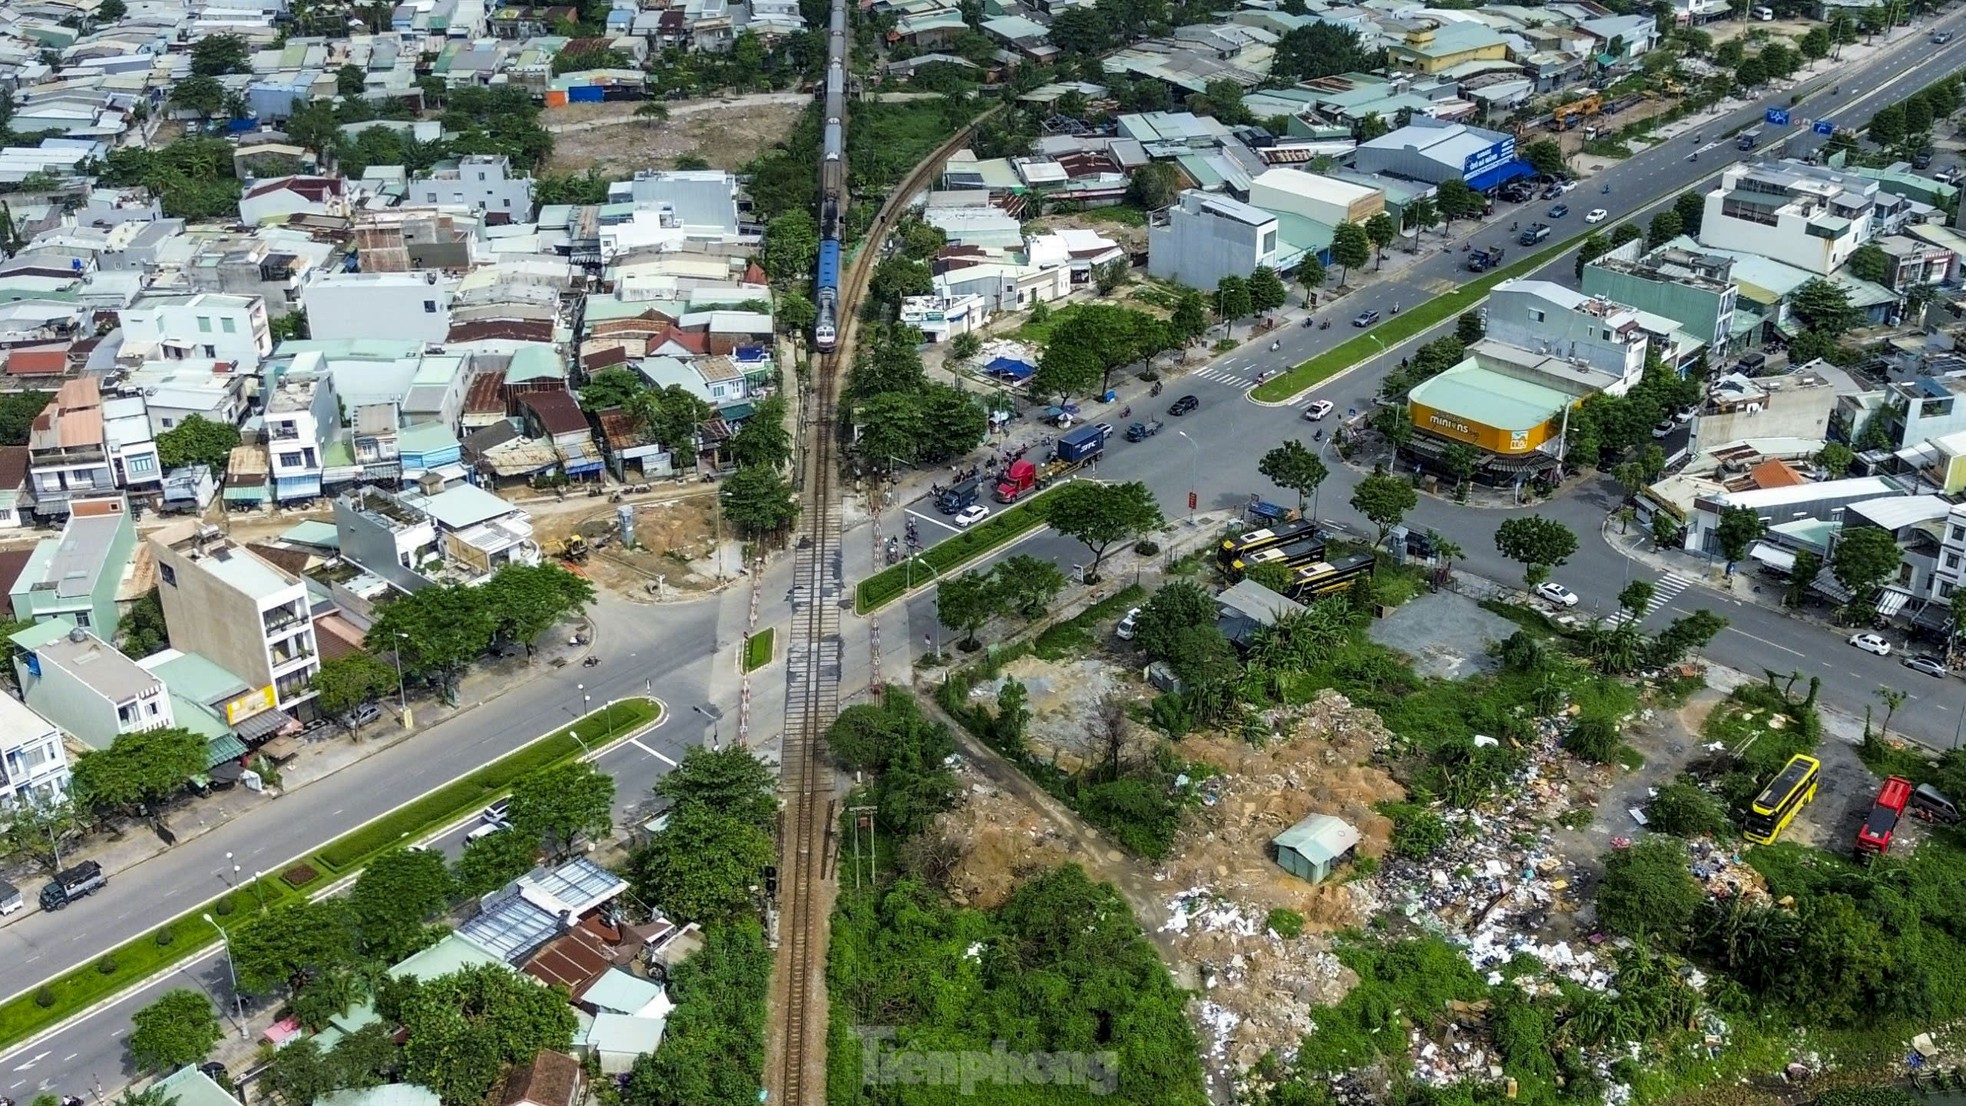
point(1213, 451)
point(673, 656)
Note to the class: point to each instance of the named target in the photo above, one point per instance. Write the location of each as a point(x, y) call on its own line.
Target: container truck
point(1073, 449)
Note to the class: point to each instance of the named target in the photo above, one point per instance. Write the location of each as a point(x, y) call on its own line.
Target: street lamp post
point(1194, 474)
point(585, 751)
point(402, 691)
point(580, 696)
point(232, 972)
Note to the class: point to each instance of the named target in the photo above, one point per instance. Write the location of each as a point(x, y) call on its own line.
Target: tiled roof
point(556, 410)
point(514, 330)
point(552, 1079)
point(486, 393)
point(13, 467)
point(40, 361)
point(603, 358)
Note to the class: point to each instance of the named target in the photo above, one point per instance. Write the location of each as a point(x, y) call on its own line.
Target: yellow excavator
point(574, 549)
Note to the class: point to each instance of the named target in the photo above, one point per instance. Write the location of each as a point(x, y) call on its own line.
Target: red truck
point(1073, 449)
point(1874, 836)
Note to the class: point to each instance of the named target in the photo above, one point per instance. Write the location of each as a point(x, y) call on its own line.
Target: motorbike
point(1696, 156)
point(1319, 436)
point(1274, 346)
point(1606, 190)
point(590, 662)
point(1395, 309)
point(1465, 247)
point(1699, 136)
point(1125, 411)
point(1325, 325)
point(1155, 390)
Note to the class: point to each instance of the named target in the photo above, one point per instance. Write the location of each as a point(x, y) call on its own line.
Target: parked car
point(1365, 318)
point(1565, 185)
point(1124, 631)
point(1559, 211)
point(1596, 215)
point(1183, 405)
point(1664, 428)
point(498, 814)
point(971, 515)
point(1871, 643)
point(1931, 666)
point(1318, 410)
point(1554, 592)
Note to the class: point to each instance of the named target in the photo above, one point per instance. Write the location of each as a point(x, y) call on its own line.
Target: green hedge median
point(1399, 328)
point(139, 958)
point(1012, 522)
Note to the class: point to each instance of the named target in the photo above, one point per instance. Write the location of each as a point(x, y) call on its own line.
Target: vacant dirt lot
point(726, 136)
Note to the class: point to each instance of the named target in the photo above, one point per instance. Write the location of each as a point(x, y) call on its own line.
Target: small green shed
point(1308, 849)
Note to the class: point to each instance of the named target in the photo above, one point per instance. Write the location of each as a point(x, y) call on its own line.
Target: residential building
point(280, 198)
point(1695, 290)
point(415, 540)
point(227, 603)
point(132, 448)
point(556, 416)
point(33, 761)
point(1433, 151)
point(1907, 412)
point(1950, 569)
point(484, 182)
point(1800, 215)
point(1204, 238)
point(172, 391)
point(1321, 199)
point(1822, 501)
point(303, 416)
point(76, 575)
point(67, 456)
point(209, 325)
point(1796, 404)
point(15, 506)
point(399, 307)
point(1552, 319)
point(81, 683)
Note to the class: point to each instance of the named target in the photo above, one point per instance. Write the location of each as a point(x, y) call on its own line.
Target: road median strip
point(181, 939)
point(938, 560)
point(1399, 329)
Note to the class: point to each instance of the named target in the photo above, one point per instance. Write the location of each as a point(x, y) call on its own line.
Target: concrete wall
point(1198, 248)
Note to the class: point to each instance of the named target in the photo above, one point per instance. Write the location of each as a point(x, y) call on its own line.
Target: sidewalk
point(325, 751)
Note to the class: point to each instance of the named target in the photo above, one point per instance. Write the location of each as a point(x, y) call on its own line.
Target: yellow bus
point(1249, 541)
point(1315, 581)
point(1788, 792)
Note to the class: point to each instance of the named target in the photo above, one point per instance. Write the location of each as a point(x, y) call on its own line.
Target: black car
point(1365, 318)
point(1559, 211)
point(1184, 405)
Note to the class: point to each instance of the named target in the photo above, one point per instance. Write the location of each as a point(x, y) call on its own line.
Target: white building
point(1204, 238)
point(33, 763)
point(280, 198)
point(211, 325)
point(1949, 573)
point(232, 606)
point(1320, 199)
point(1549, 318)
point(82, 684)
point(399, 307)
point(1800, 215)
point(483, 182)
point(302, 415)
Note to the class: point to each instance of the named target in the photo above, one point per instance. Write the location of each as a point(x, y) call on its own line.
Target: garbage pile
point(999, 843)
point(1726, 875)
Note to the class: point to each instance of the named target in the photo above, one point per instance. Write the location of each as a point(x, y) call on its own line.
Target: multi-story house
point(1801, 215)
point(415, 540)
point(302, 416)
point(175, 326)
point(76, 576)
point(33, 763)
point(1204, 238)
point(81, 683)
point(401, 307)
point(1549, 318)
point(67, 457)
point(484, 182)
point(229, 604)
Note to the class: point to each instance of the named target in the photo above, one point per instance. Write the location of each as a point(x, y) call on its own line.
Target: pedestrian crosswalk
point(1663, 591)
point(1223, 374)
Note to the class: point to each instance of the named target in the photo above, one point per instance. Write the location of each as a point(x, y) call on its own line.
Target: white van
point(1764, 14)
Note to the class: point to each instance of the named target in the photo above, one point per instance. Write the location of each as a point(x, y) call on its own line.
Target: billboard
point(1501, 153)
point(1497, 440)
point(249, 704)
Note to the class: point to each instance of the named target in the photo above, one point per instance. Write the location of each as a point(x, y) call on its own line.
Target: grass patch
point(1888, 759)
point(1039, 331)
point(757, 649)
point(134, 960)
point(1075, 635)
point(459, 797)
point(891, 583)
point(1155, 296)
point(1125, 215)
point(1408, 324)
point(1763, 728)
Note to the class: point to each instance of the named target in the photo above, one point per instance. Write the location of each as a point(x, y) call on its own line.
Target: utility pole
point(862, 814)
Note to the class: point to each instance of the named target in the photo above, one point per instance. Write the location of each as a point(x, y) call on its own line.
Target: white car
point(1566, 185)
point(971, 515)
point(1124, 631)
point(1556, 593)
point(1871, 643)
point(1318, 410)
point(1597, 215)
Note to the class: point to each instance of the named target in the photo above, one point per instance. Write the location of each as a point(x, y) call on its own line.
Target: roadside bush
point(106, 965)
point(1146, 548)
point(1683, 809)
point(44, 998)
point(223, 906)
point(165, 937)
point(1594, 738)
point(1649, 891)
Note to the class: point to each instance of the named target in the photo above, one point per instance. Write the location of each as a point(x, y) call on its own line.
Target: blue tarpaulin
point(1501, 174)
point(1009, 368)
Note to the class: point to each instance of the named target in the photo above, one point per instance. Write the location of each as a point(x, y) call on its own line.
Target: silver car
point(1931, 666)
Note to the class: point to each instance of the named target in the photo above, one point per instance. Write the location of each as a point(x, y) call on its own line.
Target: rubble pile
point(1724, 874)
point(1064, 705)
point(1000, 843)
point(1258, 990)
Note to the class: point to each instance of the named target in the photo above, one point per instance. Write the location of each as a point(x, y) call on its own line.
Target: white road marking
point(38, 1057)
point(1765, 641)
point(69, 1057)
point(933, 519)
point(637, 742)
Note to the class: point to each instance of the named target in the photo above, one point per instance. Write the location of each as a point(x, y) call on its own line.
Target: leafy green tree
point(203, 95)
point(758, 501)
point(896, 277)
point(1292, 466)
point(1808, 565)
point(791, 245)
point(349, 80)
point(612, 387)
point(110, 11)
point(1423, 214)
point(713, 1046)
point(1665, 227)
point(494, 860)
point(347, 682)
point(1887, 125)
point(1458, 201)
point(1068, 369)
point(1154, 186)
point(39, 827)
point(1870, 262)
point(217, 55)
point(466, 1028)
point(393, 899)
point(18, 410)
point(1384, 498)
point(1382, 232)
point(1190, 318)
point(1351, 248)
point(1863, 559)
point(299, 1074)
point(178, 1028)
point(966, 345)
point(1028, 584)
point(1469, 328)
point(197, 441)
point(1594, 246)
point(1636, 596)
point(965, 603)
point(1836, 459)
point(1098, 515)
point(557, 805)
point(436, 631)
point(1170, 610)
point(1538, 544)
point(1824, 308)
point(1545, 156)
point(1318, 49)
point(138, 769)
point(1232, 299)
point(1266, 291)
point(796, 313)
point(763, 439)
point(1737, 531)
point(290, 944)
point(1815, 44)
point(1311, 274)
point(144, 631)
point(1683, 809)
point(1649, 891)
point(707, 866)
point(729, 780)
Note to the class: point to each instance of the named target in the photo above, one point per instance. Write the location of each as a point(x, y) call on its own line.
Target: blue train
point(832, 185)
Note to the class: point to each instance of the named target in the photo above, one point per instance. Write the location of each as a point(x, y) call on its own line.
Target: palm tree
point(1446, 549)
point(1892, 699)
